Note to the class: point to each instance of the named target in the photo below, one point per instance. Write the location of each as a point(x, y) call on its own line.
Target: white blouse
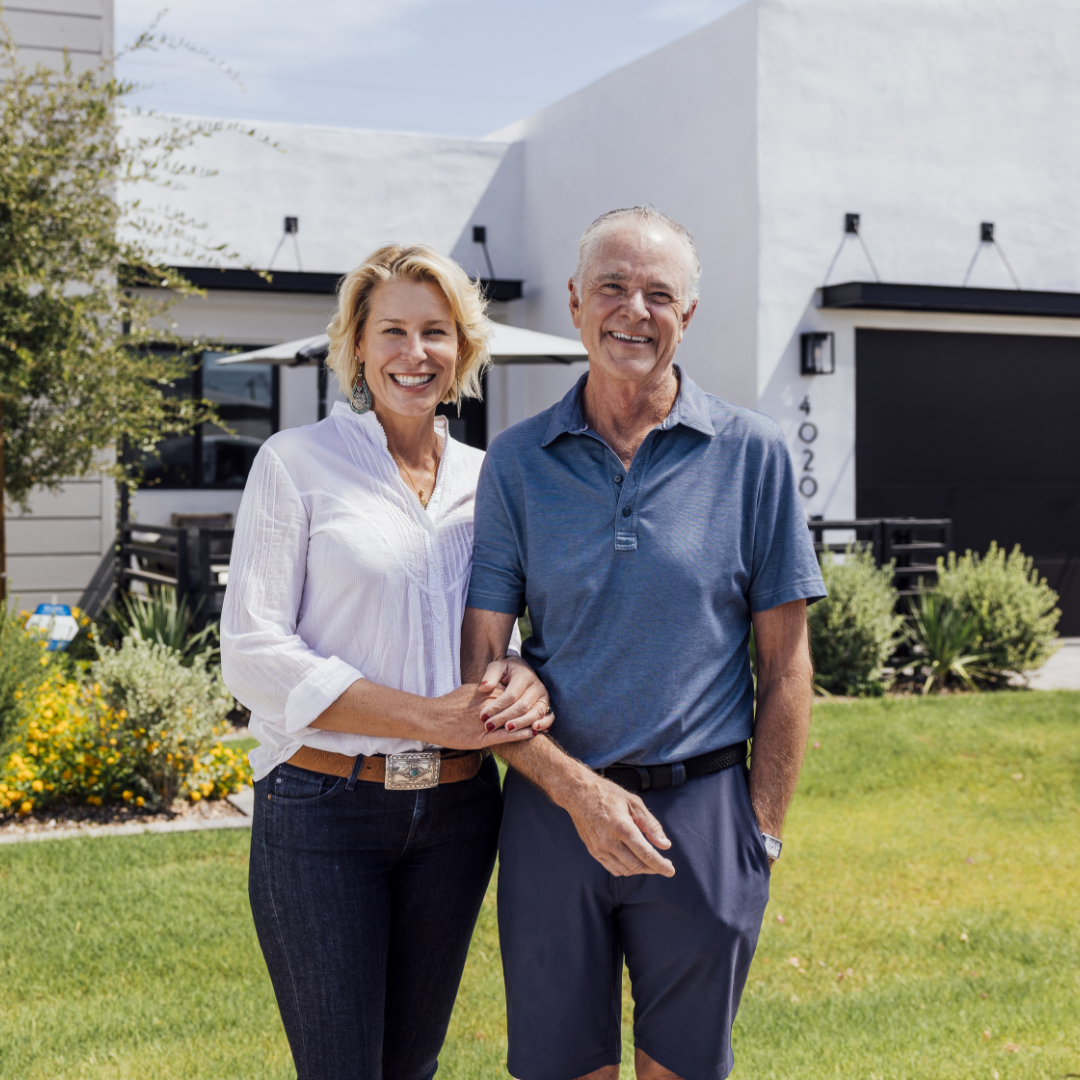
point(338, 574)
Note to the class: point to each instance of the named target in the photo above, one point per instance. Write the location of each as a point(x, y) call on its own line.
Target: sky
point(452, 67)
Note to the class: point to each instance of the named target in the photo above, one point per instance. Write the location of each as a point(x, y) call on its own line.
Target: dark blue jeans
point(364, 901)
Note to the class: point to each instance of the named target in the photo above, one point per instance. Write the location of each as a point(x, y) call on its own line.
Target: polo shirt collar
point(691, 409)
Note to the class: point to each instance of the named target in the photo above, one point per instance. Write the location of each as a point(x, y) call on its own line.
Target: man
point(646, 525)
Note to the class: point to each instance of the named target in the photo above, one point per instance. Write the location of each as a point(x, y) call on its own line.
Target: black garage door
point(981, 428)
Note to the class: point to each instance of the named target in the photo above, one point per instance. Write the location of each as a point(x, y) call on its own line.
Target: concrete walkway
point(1062, 670)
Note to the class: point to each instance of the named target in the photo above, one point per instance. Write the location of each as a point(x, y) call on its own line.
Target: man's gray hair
point(593, 236)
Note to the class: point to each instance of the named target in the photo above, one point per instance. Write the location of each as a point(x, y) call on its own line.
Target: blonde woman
point(377, 802)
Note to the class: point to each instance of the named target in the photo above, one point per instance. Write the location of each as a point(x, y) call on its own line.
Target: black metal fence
point(915, 544)
point(195, 561)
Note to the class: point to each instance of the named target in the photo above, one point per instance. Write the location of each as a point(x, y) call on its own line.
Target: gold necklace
point(412, 483)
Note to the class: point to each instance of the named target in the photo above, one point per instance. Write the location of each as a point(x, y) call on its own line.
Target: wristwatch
point(772, 846)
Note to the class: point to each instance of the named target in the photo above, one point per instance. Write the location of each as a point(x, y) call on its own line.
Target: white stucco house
point(923, 360)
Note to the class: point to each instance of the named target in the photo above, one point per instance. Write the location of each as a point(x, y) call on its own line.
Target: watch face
point(772, 846)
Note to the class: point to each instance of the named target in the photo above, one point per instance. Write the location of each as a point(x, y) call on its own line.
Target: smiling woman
point(375, 788)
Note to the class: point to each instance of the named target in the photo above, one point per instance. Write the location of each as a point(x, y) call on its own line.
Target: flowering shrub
point(68, 749)
point(23, 654)
point(73, 746)
point(221, 772)
point(169, 712)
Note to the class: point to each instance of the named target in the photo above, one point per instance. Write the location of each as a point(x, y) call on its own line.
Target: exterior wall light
point(817, 353)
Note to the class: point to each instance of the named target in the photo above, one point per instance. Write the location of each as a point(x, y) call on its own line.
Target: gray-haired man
point(647, 525)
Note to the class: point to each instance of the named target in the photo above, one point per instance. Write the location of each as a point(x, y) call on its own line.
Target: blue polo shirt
point(640, 584)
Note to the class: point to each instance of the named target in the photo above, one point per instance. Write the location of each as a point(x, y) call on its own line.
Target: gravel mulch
point(119, 819)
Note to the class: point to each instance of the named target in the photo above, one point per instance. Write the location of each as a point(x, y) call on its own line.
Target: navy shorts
point(565, 925)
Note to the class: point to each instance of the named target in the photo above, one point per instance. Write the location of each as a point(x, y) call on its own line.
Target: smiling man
point(647, 525)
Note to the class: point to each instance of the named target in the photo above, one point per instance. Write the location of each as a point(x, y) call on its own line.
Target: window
point(246, 398)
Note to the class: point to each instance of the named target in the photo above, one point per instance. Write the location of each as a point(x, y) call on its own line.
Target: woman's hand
point(455, 721)
point(516, 697)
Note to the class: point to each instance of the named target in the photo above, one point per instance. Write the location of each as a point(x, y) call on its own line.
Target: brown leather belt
point(454, 765)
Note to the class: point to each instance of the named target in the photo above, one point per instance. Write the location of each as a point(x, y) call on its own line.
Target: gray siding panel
point(50, 573)
point(58, 7)
point(42, 536)
point(73, 499)
point(33, 30)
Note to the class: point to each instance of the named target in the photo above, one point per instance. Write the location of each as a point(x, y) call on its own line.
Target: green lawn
point(913, 859)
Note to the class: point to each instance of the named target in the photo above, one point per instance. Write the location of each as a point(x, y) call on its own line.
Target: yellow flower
point(139, 800)
point(38, 786)
point(94, 800)
point(195, 796)
point(26, 807)
point(44, 660)
point(126, 795)
point(66, 774)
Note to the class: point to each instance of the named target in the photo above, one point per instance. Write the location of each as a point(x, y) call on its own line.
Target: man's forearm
point(780, 730)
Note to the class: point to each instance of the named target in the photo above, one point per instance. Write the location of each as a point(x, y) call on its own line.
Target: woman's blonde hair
point(417, 263)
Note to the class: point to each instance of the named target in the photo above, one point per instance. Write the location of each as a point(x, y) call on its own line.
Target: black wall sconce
point(817, 353)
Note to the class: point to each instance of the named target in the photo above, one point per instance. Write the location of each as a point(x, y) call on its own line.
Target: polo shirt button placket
point(625, 538)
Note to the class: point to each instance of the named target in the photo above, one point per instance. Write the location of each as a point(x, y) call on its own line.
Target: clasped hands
point(510, 704)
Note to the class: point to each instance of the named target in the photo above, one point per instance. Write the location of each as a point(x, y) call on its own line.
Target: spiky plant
point(942, 636)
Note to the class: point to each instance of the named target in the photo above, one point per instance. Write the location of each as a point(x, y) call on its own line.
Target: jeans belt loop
point(358, 764)
point(678, 774)
point(646, 778)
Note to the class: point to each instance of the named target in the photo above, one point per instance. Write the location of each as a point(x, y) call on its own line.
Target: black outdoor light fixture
point(817, 353)
point(292, 225)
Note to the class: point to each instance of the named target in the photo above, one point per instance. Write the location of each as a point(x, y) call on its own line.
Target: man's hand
point(616, 827)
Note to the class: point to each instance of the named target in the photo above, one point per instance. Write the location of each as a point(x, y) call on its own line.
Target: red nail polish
point(490, 727)
point(484, 716)
point(509, 727)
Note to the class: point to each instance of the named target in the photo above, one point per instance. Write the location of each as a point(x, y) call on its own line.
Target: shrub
point(23, 654)
point(169, 710)
point(223, 771)
point(854, 630)
point(72, 746)
point(1013, 609)
point(65, 748)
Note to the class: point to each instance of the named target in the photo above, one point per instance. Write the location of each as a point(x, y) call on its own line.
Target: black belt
point(659, 777)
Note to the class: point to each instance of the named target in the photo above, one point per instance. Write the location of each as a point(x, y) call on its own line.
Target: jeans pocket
point(292, 786)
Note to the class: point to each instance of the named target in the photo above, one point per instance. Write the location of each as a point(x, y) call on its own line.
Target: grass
point(943, 890)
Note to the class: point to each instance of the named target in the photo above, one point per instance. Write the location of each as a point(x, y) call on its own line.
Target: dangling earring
point(360, 398)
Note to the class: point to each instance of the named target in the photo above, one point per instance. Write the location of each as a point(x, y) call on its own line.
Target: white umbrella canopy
point(508, 344)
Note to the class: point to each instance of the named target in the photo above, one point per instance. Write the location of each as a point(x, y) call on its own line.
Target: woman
point(371, 849)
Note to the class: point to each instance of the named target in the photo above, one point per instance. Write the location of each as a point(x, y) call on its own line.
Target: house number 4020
point(807, 434)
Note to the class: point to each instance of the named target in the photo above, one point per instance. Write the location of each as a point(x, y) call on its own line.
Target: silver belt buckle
point(416, 769)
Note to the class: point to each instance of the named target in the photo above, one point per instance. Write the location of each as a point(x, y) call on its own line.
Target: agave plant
point(164, 618)
point(942, 636)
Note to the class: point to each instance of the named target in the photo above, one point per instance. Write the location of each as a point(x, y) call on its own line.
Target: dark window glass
point(211, 457)
point(244, 396)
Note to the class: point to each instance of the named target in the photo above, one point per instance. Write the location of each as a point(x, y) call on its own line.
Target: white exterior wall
point(677, 129)
point(926, 117)
point(55, 547)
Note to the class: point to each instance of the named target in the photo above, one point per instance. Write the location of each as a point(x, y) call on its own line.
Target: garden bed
point(91, 819)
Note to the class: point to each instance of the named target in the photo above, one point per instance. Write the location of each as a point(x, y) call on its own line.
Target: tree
point(86, 358)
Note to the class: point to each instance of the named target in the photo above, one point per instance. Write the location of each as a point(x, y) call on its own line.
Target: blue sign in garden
point(57, 623)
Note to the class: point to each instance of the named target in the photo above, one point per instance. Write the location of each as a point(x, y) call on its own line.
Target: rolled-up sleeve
point(498, 578)
point(265, 663)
